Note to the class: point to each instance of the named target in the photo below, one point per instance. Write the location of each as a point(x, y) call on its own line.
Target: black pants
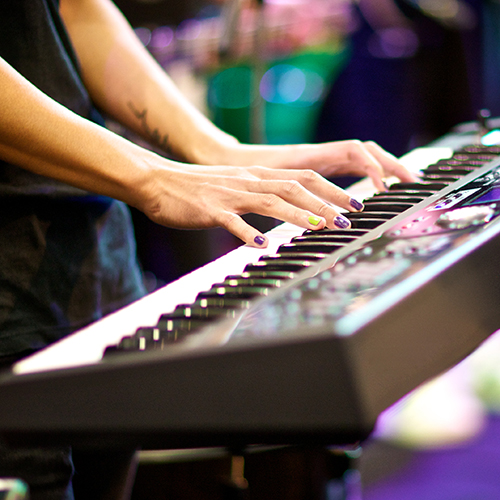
point(62, 474)
point(63, 264)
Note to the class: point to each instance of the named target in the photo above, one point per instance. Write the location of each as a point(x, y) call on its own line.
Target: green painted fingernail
point(314, 220)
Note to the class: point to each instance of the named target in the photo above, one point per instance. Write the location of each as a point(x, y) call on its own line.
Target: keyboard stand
point(254, 473)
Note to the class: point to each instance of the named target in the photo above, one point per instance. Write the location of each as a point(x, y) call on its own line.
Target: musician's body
point(67, 255)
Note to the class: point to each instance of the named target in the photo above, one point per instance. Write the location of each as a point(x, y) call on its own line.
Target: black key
point(368, 223)
point(409, 192)
point(278, 274)
point(294, 256)
point(222, 302)
point(146, 339)
point(449, 179)
point(336, 232)
point(380, 206)
point(370, 215)
point(197, 312)
point(286, 265)
point(172, 323)
point(450, 169)
point(167, 337)
point(129, 343)
point(390, 197)
point(152, 338)
point(241, 281)
point(480, 149)
point(320, 237)
point(233, 292)
point(310, 248)
point(313, 242)
point(417, 186)
point(464, 162)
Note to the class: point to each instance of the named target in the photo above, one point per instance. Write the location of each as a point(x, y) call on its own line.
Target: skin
point(217, 180)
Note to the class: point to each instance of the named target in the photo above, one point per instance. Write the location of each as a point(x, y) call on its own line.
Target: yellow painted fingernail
point(314, 220)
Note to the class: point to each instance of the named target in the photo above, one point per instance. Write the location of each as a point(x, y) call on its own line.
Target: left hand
point(332, 159)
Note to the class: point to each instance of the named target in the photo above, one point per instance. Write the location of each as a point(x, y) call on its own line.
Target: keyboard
point(313, 360)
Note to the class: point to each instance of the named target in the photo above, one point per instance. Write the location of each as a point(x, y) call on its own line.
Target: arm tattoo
point(153, 134)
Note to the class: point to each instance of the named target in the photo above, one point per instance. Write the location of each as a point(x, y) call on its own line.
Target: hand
point(332, 159)
point(195, 196)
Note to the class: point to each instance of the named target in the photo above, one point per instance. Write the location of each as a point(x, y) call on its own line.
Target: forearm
point(40, 135)
point(127, 84)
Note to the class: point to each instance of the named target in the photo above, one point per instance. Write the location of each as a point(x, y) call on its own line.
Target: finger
point(307, 189)
point(362, 155)
point(242, 230)
point(271, 205)
point(390, 164)
point(294, 194)
point(327, 191)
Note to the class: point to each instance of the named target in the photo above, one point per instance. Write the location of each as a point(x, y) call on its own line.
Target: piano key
point(380, 206)
point(147, 338)
point(225, 307)
point(370, 215)
point(294, 256)
point(464, 162)
point(445, 178)
point(310, 247)
point(463, 170)
point(368, 223)
point(293, 266)
point(222, 302)
point(209, 313)
point(240, 292)
point(323, 236)
point(277, 274)
point(172, 323)
point(418, 186)
point(156, 338)
point(480, 149)
point(396, 197)
point(252, 281)
point(405, 192)
point(475, 154)
point(336, 232)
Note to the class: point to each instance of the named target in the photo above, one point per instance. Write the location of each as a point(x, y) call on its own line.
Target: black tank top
point(33, 41)
point(67, 257)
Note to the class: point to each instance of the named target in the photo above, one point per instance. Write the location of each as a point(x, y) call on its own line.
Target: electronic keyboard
point(306, 345)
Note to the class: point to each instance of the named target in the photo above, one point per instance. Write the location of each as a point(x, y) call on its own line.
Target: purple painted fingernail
point(259, 240)
point(357, 205)
point(341, 222)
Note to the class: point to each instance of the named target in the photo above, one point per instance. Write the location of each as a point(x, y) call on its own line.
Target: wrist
point(217, 148)
point(264, 155)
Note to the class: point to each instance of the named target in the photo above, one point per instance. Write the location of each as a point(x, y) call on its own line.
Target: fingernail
point(314, 220)
point(259, 240)
point(341, 222)
point(357, 205)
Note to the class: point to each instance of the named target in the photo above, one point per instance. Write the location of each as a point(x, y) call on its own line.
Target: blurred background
point(399, 72)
